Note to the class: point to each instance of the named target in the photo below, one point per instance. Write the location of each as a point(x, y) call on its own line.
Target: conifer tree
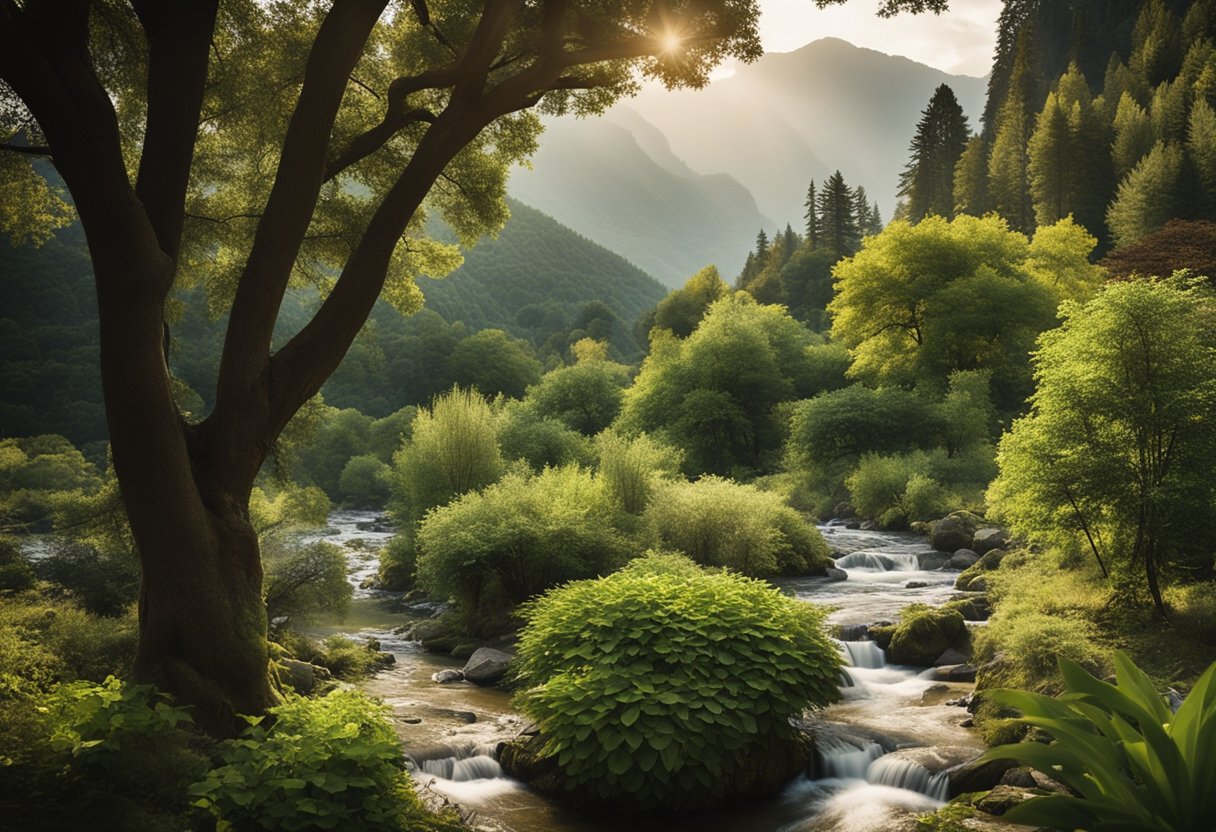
point(812, 217)
point(874, 222)
point(838, 218)
point(1133, 135)
point(971, 179)
point(761, 247)
point(1008, 165)
point(1156, 43)
point(1201, 148)
point(1053, 184)
point(861, 210)
point(1148, 197)
point(941, 136)
point(1168, 112)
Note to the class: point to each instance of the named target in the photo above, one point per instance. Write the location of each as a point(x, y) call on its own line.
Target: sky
point(960, 41)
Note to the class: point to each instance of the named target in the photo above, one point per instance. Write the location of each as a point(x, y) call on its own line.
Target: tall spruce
point(838, 217)
point(941, 137)
point(971, 179)
point(812, 217)
point(1009, 164)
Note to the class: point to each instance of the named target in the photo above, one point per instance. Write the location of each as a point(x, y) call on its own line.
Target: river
point(451, 730)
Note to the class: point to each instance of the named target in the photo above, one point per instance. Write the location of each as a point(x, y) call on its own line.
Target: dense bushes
point(629, 468)
point(718, 522)
point(660, 687)
point(303, 582)
point(491, 549)
point(331, 763)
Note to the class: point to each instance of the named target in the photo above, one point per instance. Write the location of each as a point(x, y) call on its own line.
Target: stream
point(451, 730)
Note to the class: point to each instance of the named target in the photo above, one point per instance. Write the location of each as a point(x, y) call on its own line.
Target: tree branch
point(297, 186)
point(179, 40)
point(29, 150)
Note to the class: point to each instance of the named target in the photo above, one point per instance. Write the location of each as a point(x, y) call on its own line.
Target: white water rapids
point(452, 731)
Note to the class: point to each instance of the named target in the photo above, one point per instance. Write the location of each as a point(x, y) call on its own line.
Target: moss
point(881, 634)
point(952, 817)
point(924, 633)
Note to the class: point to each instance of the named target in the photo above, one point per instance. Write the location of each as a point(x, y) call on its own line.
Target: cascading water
point(859, 787)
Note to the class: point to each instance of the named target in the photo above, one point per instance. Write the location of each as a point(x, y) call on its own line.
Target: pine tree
point(927, 181)
point(1052, 167)
point(761, 247)
point(1201, 150)
point(1148, 197)
point(750, 269)
point(1157, 50)
point(1008, 164)
point(861, 210)
point(1133, 135)
point(971, 179)
point(812, 217)
point(1168, 112)
point(788, 244)
point(838, 218)
point(874, 220)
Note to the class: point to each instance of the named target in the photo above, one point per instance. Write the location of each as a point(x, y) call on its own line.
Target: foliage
point(1028, 645)
point(629, 468)
point(1148, 197)
point(453, 449)
point(540, 441)
point(714, 395)
point(920, 302)
point(343, 657)
point(398, 561)
point(682, 310)
point(895, 490)
point(102, 580)
point(941, 137)
point(303, 582)
point(1116, 453)
point(843, 425)
point(493, 549)
point(37, 475)
point(330, 763)
point(285, 506)
point(1130, 762)
point(652, 685)
point(585, 397)
point(364, 482)
point(1179, 244)
point(718, 522)
point(492, 362)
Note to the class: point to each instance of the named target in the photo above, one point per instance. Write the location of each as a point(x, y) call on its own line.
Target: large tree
point(250, 146)
point(941, 137)
point(246, 146)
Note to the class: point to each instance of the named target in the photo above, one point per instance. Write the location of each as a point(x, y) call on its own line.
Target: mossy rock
point(881, 634)
point(924, 633)
point(971, 609)
point(464, 649)
point(988, 562)
point(955, 531)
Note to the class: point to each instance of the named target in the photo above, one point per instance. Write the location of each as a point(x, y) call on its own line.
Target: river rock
point(924, 635)
point(989, 538)
point(950, 534)
point(930, 561)
point(973, 776)
point(302, 676)
point(962, 558)
point(833, 574)
point(955, 673)
point(868, 526)
point(1001, 799)
point(445, 677)
point(486, 666)
point(915, 585)
point(950, 657)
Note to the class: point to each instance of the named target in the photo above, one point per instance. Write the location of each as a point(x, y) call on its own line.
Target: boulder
point(990, 537)
point(923, 634)
point(962, 558)
point(972, 608)
point(445, 677)
point(951, 657)
point(915, 585)
point(955, 673)
point(868, 526)
point(833, 574)
point(975, 776)
point(932, 560)
point(1001, 799)
point(486, 666)
point(951, 533)
point(302, 676)
point(1018, 777)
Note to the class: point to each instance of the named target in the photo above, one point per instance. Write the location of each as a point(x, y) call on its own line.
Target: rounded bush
point(663, 687)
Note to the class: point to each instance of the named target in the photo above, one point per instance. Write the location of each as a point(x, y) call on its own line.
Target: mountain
point(743, 150)
point(537, 261)
point(617, 181)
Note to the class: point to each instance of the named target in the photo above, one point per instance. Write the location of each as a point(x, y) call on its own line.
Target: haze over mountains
point(675, 180)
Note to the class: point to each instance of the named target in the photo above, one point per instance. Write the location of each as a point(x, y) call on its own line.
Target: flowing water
point(863, 777)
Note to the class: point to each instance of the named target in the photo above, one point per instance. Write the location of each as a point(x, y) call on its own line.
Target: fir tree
point(1156, 43)
point(874, 220)
point(1133, 135)
point(971, 179)
point(838, 218)
point(1148, 197)
point(1009, 166)
point(941, 136)
point(1201, 150)
point(812, 217)
point(1052, 165)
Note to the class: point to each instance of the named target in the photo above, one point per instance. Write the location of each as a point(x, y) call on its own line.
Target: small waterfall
point(879, 562)
point(864, 654)
point(906, 774)
point(839, 758)
point(463, 763)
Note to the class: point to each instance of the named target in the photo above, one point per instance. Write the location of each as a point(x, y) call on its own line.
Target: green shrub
point(493, 549)
point(16, 574)
point(540, 441)
point(398, 561)
point(718, 522)
point(896, 490)
point(1028, 644)
point(103, 581)
point(656, 686)
point(453, 449)
point(1131, 764)
point(585, 397)
point(630, 466)
point(364, 482)
point(329, 763)
point(303, 583)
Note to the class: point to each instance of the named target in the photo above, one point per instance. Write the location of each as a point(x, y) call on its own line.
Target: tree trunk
point(202, 620)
